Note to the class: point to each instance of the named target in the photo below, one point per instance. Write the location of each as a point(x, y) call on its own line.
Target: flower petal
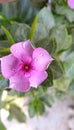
point(21, 49)
point(37, 77)
point(9, 65)
point(71, 4)
point(41, 59)
point(19, 82)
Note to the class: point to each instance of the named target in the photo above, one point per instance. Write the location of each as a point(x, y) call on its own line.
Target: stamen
point(26, 67)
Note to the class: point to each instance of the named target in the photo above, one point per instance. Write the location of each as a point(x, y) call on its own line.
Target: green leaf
point(62, 83)
point(4, 52)
point(42, 25)
point(71, 88)
point(57, 69)
point(46, 17)
point(26, 11)
point(2, 127)
point(19, 31)
point(3, 19)
point(39, 3)
point(67, 12)
point(49, 81)
point(17, 113)
point(9, 9)
point(33, 28)
point(4, 44)
point(40, 108)
point(47, 44)
point(63, 40)
point(11, 41)
point(36, 106)
point(31, 110)
point(10, 117)
point(3, 84)
point(47, 99)
point(1, 77)
point(69, 65)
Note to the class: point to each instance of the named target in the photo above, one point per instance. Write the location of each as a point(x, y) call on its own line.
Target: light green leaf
point(42, 25)
point(71, 88)
point(61, 83)
point(4, 51)
point(31, 110)
point(63, 40)
point(10, 39)
point(40, 108)
point(3, 19)
point(69, 65)
point(17, 113)
point(67, 12)
point(2, 127)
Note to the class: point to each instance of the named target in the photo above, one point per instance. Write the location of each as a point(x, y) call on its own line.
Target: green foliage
point(36, 106)
point(17, 113)
point(49, 81)
point(3, 19)
point(61, 37)
point(2, 127)
point(42, 24)
point(3, 84)
point(52, 29)
point(19, 31)
point(69, 65)
point(65, 11)
point(11, 41)
point(57, 69)
point(70, 89)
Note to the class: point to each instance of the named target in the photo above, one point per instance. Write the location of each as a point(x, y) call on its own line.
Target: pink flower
point(71, 4)
point(26, 66)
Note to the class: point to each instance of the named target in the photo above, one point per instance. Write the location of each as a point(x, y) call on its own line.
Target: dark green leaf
point(3, 19)
point(63, 40)
point(42, 25)
point(19, 31)
point(46, 43)
point(26, 11)
point(57, 69)
point(49, 81)
point(9, 9)
point(3, 84)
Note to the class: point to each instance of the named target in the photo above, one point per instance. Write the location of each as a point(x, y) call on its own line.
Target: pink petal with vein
point(22, 49)
point(9, 65)
point(41, 59)
point(37, 77)
point(19, 82)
